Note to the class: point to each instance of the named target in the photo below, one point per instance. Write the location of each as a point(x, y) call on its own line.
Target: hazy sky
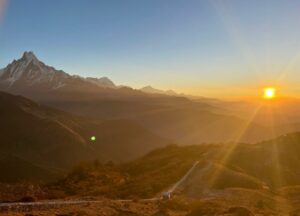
point(206, 47)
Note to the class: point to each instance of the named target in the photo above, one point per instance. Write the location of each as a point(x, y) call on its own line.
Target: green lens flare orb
point(93, 138)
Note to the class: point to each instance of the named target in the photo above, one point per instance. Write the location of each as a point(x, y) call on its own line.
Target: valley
point(70, 143)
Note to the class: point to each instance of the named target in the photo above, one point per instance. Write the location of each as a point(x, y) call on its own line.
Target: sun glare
point(269, 93)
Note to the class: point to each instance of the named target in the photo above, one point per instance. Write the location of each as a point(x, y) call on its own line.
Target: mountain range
point(169, 115)
point(151, 90)
point(28, 74)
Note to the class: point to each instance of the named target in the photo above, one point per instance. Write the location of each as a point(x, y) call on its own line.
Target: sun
point(269, 93)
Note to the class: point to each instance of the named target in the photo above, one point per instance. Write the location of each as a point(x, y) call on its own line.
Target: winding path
point(58, 203)
point(175, 186)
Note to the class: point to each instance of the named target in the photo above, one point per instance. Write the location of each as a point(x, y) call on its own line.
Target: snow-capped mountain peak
point(29, 56)
point(29, 71)
point(150, 90)
point(102, 82)
point(30, 74)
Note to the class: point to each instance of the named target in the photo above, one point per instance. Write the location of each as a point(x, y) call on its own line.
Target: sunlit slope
point(257, 167)
point(272, 164)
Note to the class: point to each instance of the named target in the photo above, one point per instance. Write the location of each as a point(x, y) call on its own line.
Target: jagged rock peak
point(29, 56)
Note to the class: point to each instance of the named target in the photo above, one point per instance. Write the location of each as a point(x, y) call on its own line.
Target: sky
point(219, 48)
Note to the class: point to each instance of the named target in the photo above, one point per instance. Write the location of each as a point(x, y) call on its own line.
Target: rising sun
point(269, 93)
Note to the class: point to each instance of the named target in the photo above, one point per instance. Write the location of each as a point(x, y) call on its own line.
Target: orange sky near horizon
point(218, 49)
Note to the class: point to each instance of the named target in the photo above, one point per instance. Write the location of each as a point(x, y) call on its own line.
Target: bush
point(175, 204)
point(27, 199)
point(56, 194)
point(260, 204)
point(206, 208)
point(240, 211)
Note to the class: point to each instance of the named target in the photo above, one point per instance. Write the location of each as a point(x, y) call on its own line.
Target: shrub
point(27, 199)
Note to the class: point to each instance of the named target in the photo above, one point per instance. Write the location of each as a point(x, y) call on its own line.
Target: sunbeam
point(229, 149)
point(3, 5)
point(282, 206)
point(233, 31)
point(288, 69)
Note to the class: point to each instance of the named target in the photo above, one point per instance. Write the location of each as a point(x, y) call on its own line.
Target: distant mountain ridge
point(29, 72)
point(151, 90)
point(30, 77)
point(102, 82)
